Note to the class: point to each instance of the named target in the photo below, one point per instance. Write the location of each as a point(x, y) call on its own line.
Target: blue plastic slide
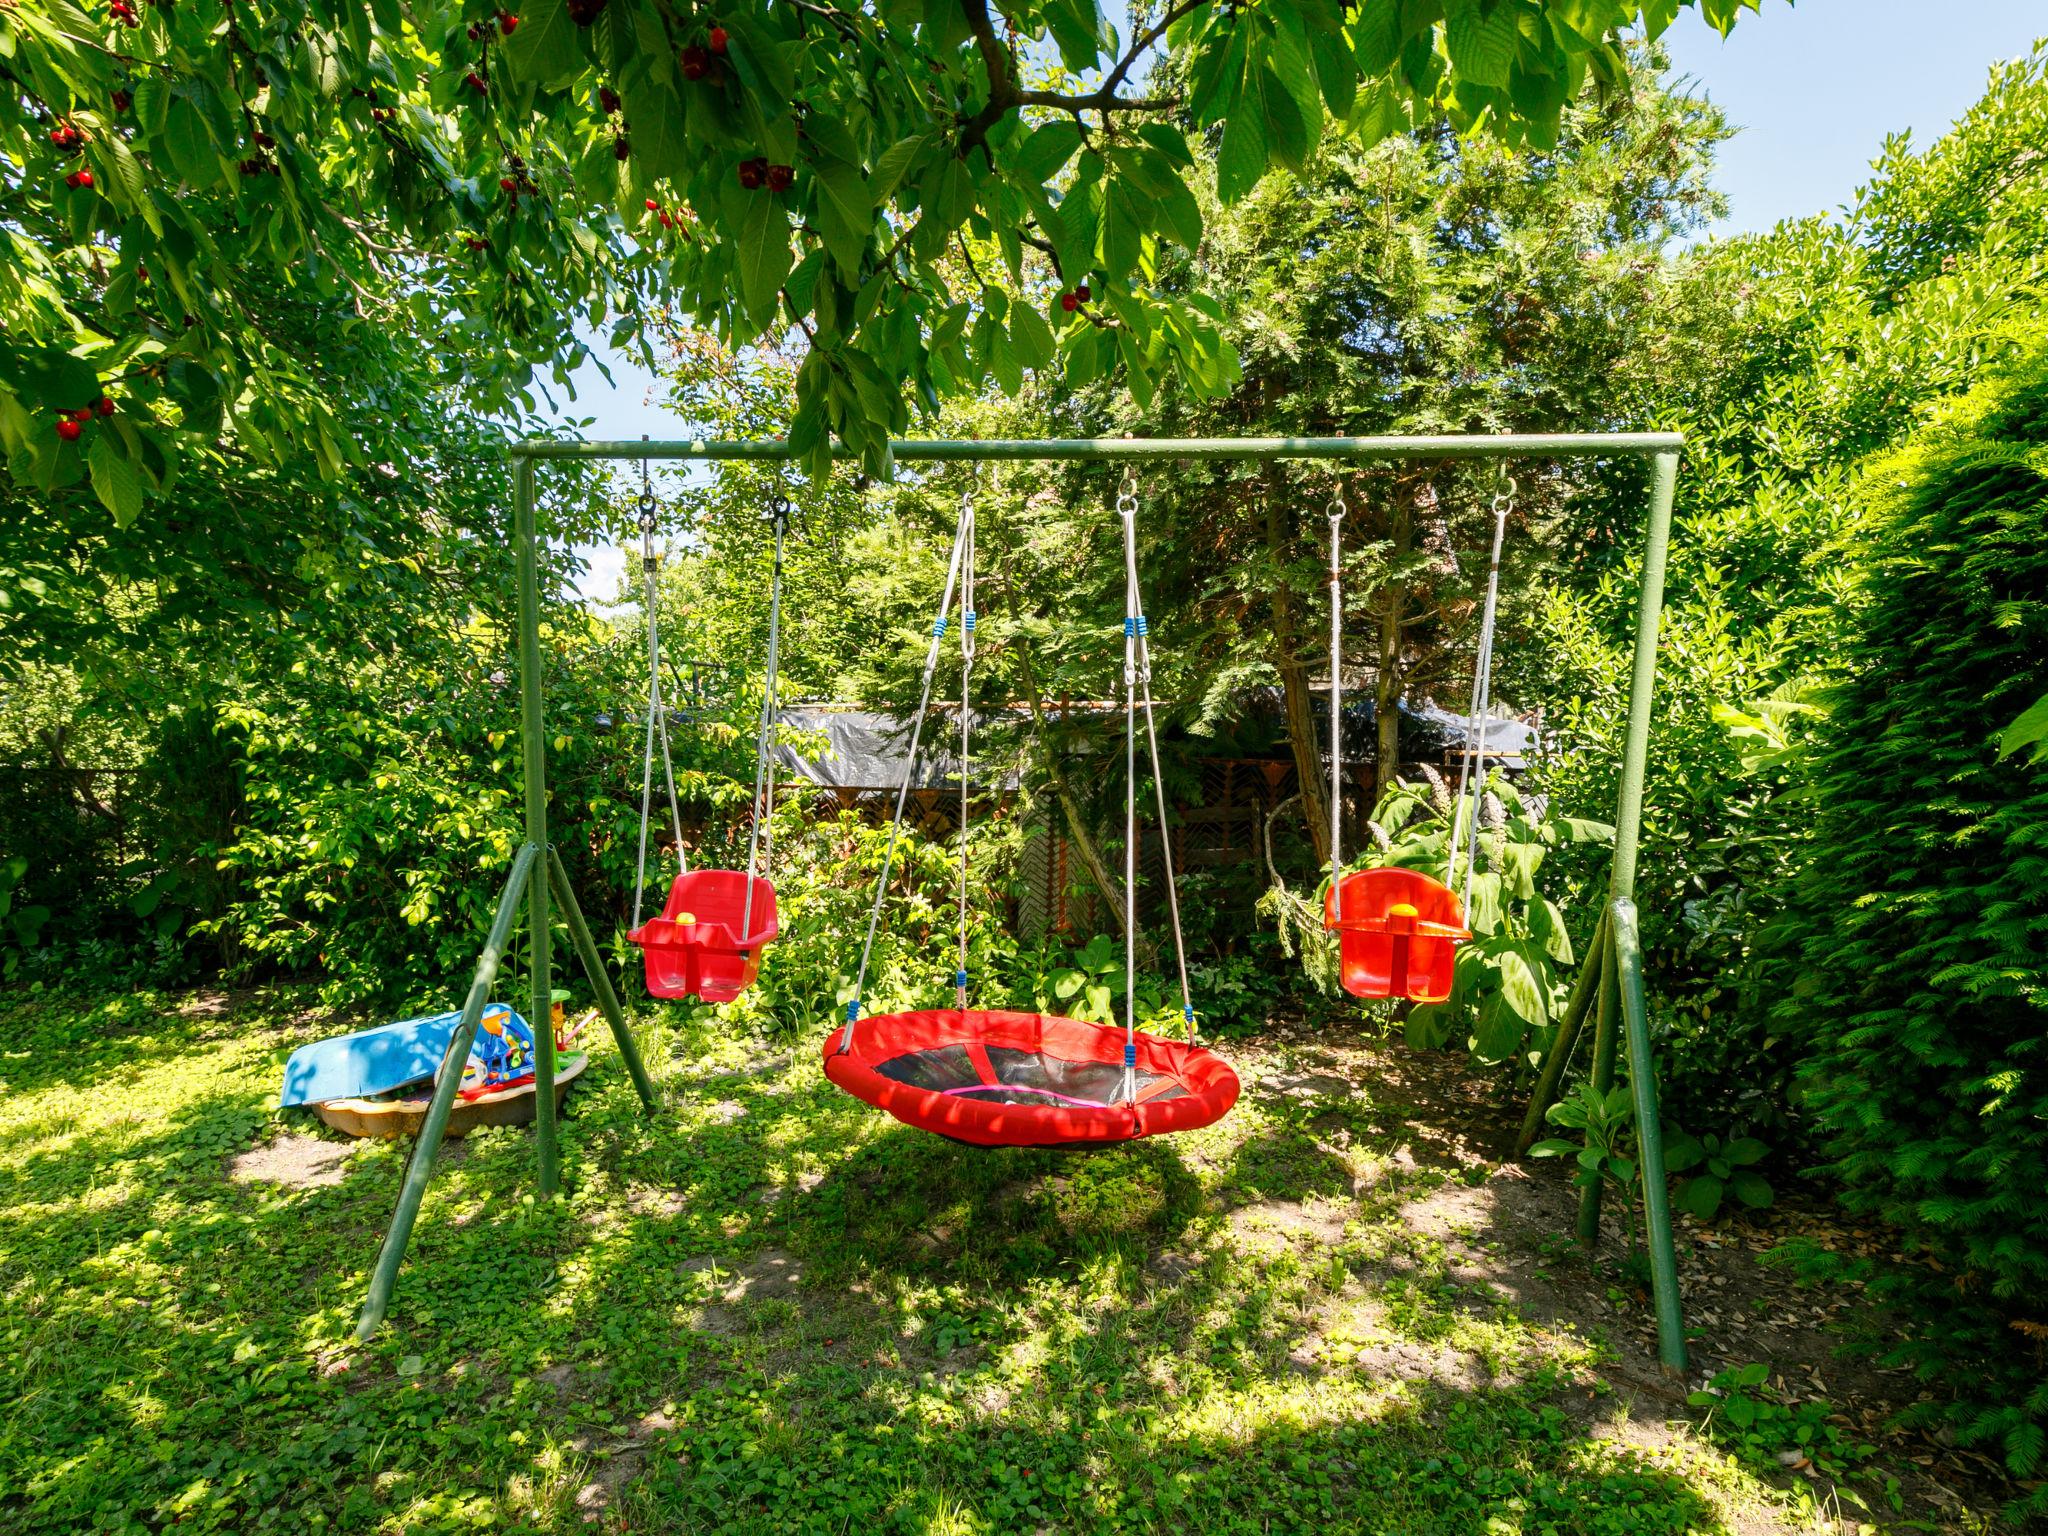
point(371, 1060)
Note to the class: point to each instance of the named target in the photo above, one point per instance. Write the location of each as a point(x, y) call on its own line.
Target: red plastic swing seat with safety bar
point(695, 947)
point(994, 1078)
point(1397, 935)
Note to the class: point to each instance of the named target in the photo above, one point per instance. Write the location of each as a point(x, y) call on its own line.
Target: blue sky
point(1814, 88)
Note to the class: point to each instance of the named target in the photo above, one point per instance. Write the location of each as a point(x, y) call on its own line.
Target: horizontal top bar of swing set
point(1503, 445)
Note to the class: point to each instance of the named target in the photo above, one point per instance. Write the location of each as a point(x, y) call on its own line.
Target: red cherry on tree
point(123, 101)
point(653, 206)
point(507, 184)
point(696, 63)
point(69, 430)
point(507, 23)
point(1081, 293)
point(82, 415)
point(781, 177)
point(719, 41)
point(1069, 303)
point(106, 406)
point(607, 99)
point(753, 174)
point(475, 82)
point(621, 150)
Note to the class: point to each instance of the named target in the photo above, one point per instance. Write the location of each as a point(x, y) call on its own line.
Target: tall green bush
point(1922, 914)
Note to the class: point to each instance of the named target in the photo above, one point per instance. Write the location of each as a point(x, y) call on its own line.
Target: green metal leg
point(1606, 1027)
point(600, 980)
point(421, 1168)
point(1564, 1039)
point(1642, 1082)
point(534, 752)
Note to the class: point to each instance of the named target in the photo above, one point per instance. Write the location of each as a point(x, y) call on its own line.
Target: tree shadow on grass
point(908, 1203)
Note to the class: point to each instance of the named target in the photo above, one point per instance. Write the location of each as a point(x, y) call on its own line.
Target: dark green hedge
point(1922, 914)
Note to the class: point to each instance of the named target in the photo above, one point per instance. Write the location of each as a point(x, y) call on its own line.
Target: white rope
point(1464, 816)
point(1127, 510)
point(1138, 695)
point(764, 758)
point(1337, 510)
point(654, 704)
point(967, 617)
point(924, 699)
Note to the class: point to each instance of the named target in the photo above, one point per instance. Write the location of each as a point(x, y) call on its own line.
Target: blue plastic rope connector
point(970, 621)
point(959, 978)
point(1130, 624)
point(1141, 624)
point(1188, 1013)
point(853, 1010)
point(1130, 1056)
point(938, 628)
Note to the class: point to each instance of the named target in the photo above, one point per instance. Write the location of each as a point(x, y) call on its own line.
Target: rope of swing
point(1472, 772)
point(966, 674)
point(771, 707)
point(1138, 694)
point(1336, 511)
point(657, 711)
point(931, 661)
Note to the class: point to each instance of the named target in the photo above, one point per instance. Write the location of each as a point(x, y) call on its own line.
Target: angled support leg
point(1642, 1083)
point(421, 1168)
point(600, 980)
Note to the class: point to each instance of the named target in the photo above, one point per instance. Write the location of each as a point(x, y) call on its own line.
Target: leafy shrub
point(1921, 915)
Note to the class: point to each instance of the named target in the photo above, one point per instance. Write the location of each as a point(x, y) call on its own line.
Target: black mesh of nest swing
point(1024, 1077)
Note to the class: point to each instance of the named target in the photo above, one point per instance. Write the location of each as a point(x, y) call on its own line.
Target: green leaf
point(1700, 1197)
point(1034, 338)
point(1051, 145)
point(115, 479)
point(190, 141)
point(1428, 1027)
point(1241, 160)
point(845, 216)
point(1752, 1189)
point(1745, 1150)
point(2030, 730)
point(763, 256)
point(1480, 37)
point(1288, 139)
point(1519, 988)
point(544, 51)
point(1124, 209)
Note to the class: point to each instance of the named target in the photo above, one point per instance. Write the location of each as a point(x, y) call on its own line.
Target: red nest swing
point(993, 1078)
point(996, 1078)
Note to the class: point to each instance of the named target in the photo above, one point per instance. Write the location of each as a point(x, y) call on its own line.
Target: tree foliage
point(481, 179)
point(1920, 917)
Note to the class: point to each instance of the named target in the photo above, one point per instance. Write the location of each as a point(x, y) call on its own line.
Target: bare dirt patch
point(299, 1162)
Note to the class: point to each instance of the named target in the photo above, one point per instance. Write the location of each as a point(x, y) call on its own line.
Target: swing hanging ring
point(1338, 506)
point(1127, 495)
point(1505, 496)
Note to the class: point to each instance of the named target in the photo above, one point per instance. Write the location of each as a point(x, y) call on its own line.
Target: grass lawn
point(773, 1309)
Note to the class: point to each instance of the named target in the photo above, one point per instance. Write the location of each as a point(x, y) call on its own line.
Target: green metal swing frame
point(1610, 983)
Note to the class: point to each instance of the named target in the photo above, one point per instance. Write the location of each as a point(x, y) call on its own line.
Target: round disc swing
point(1000, 1078)
point(707, 940)
point(1398, 929)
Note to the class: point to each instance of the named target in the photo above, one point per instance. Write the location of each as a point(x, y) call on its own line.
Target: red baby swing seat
point(696, 947)
point(995, 1078)
point(1397, 933)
